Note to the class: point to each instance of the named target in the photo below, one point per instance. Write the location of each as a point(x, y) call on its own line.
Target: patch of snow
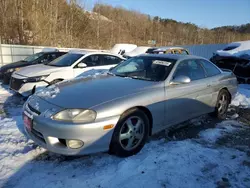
point(242, 49)
point(4, 93)
point(222, 129)
point(137, 51)
point(49, 92)
point(93, 73)
point(242, 97)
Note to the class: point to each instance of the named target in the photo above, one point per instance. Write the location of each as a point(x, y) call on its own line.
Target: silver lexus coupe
point(118, 111)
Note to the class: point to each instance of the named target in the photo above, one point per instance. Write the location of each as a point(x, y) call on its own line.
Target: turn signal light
point(106, 127)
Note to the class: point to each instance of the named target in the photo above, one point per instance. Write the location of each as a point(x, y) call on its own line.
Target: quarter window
point(210, 69)
point(191, 69)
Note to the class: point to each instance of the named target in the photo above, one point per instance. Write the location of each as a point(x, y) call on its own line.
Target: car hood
point(91, 91)
point(38, 70)
point(15, 65)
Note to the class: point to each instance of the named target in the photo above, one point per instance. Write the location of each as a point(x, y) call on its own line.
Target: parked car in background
point(118, 111)
point(122, 48)
point(170, 50)
point(137, 51)
point(38, 58)
point(67, 66)
point(236, 57)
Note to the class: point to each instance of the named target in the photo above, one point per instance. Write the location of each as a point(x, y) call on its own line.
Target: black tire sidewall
point(115, 147)
point(222, 116)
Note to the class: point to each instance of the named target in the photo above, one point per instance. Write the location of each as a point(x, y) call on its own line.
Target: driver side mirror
point(81, 65)
point(180, 80)
point(43, 61)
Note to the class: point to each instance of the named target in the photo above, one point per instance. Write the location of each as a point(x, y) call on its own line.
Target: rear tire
point(130, 134)
point(222, 104)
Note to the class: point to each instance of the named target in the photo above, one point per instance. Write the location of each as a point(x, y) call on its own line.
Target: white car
point(65, 67)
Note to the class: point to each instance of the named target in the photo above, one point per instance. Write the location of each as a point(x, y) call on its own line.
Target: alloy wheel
point(222, 104)
point(131, 133)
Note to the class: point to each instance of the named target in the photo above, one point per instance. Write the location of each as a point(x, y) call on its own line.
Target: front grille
point(16, 84)
point(38, 135)
point(33, 110)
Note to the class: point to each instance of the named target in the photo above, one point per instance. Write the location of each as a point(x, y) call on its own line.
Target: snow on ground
point(222, 129)
point(242, 97)
point(196, 162)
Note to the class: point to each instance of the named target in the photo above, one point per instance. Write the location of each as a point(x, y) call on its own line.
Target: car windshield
point(65, 60)
point(33, 57)
point(145, 68)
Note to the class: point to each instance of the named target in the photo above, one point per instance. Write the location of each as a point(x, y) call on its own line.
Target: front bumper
point(18, 85)
point(51, 134)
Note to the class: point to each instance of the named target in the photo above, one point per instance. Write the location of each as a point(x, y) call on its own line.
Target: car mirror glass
point(81, 65)
point(180, 80)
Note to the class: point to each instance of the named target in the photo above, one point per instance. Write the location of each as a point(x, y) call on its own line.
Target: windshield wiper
point(141, 78)
point(120, 75)
point(110, 73)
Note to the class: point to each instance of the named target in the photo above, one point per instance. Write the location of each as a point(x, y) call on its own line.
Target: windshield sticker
point(165, 63)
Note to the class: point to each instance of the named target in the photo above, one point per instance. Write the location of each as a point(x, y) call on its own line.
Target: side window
point(110, 60)
point(191, 69)
point(51, 57)
point(92, 61)
point(210, 69)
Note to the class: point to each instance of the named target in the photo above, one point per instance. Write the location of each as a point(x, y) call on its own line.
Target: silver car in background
point(118, 111)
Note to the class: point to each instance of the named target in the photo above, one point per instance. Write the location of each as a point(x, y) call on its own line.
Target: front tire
point(130, 134)
point(222, 104)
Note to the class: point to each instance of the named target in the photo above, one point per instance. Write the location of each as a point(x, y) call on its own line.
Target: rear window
point(230, 47)
point(210, 68)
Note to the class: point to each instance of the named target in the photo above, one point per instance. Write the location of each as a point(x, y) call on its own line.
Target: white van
point(67, 66)
point(122, 48)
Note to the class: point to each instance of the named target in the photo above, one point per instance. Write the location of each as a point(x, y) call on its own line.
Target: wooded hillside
point(66, 23)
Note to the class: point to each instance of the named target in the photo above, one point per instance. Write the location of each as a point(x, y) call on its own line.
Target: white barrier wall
point(13, 53)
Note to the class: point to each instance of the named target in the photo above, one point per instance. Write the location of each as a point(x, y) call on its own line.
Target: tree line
point(66, 23)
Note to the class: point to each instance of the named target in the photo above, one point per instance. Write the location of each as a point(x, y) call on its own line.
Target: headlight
point(76, 116)
point(36, 78)
point(13, 69)
point(10, 70)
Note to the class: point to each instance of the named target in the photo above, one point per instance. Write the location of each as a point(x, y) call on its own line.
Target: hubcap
point(222, 104)
point(131, 133)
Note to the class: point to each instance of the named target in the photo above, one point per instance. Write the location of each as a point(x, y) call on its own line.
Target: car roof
point(96, 53)
point(176, 57)
point(170, 48)
point(53, 52)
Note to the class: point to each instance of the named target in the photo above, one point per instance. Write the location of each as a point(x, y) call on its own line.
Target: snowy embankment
point(197, 162)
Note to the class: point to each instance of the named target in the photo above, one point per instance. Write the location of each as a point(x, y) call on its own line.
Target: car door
point(213, 83)
point(92, 62)
point(186, 101)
